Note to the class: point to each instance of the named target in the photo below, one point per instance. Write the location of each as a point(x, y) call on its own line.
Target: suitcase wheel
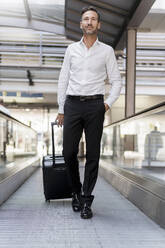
point(47, 200)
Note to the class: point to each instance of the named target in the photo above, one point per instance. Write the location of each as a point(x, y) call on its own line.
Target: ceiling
point(116, 17)
point(34, 35)
point(62, 17)
point(43, 15)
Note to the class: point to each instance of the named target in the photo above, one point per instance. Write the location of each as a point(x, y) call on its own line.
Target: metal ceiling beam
point(140, 13)
point(138, 16)
point(27, 10)
point(17, 22)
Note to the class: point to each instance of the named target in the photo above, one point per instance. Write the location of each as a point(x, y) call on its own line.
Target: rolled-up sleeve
point(114, 78)
point(63, 81)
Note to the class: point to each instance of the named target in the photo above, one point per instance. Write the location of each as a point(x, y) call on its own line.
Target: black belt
point(84, 98)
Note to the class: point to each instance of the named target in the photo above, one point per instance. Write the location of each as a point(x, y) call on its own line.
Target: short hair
point(85, 9)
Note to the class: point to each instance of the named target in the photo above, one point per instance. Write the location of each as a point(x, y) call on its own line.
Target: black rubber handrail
point(138, 114)
point(9, 117)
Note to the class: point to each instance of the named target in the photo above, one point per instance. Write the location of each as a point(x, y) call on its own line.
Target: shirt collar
point(94, 44)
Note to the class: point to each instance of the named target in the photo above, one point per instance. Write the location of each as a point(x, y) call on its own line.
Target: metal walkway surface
point(27, 221)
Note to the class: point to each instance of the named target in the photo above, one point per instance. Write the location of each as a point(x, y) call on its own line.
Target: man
point(81, 89)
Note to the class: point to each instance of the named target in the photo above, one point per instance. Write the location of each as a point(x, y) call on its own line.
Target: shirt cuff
point(61, 110)
point(108, 103)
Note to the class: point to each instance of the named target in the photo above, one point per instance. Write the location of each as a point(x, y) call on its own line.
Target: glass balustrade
point(137, 144)
point(16, 141)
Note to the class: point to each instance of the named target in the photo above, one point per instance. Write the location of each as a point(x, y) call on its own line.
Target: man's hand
point(106, 107)
point(60, 120)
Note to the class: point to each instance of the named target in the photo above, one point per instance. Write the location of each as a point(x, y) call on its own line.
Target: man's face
point(89, 23)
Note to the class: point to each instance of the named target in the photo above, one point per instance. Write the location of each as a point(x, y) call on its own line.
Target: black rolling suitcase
point(55, 180)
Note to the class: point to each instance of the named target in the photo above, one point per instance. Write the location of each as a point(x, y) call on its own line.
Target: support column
point(130, 73)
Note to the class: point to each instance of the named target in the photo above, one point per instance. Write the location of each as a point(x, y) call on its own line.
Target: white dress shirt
point(84, 72)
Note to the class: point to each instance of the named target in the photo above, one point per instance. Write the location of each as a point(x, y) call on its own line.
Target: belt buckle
point(82, 98)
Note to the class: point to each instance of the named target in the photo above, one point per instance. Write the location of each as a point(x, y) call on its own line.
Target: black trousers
point(85, 115)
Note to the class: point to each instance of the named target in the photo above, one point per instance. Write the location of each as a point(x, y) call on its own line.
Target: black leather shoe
point(76, 205)
point(86, 212)
point(86, 202)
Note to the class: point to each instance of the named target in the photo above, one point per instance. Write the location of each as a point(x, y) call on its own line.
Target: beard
point(89, 31)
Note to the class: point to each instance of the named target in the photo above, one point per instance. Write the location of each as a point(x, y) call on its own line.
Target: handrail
point(15, 120)
point(138, 114)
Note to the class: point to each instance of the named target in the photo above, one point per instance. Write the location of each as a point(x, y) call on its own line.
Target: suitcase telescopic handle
point(53, 145)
